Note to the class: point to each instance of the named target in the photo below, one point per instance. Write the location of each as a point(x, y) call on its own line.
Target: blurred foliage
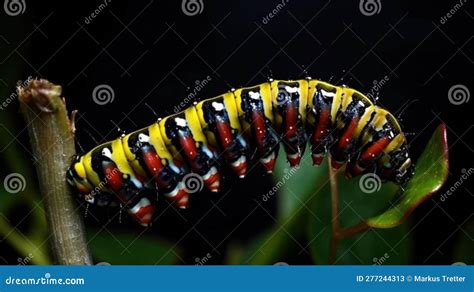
point(305, 217)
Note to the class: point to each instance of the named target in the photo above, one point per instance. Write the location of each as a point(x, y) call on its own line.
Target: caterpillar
point(234, 129)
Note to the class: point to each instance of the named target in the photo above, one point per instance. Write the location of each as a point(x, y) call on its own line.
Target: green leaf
point(125, 249)
point(430, 174)
point(298, 185)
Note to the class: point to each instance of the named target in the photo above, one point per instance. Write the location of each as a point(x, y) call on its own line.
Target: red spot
point(294, 161)
point(347, 136)
point(375, 149)
point(321, 127)
point(317, 159)
point(152, 162)
point(335, 164)
point(213, 182)
point(189, 147)
point(113, 176)
point(258, 122)
point(269, 165)
point(291, 121)
point(225, 134)
point(144, 215)
point(183, 202)
point(241, 169)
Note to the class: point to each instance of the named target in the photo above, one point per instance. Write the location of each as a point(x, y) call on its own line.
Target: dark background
point(151, 52)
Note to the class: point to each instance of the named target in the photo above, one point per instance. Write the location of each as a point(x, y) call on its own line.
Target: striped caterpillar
point(235, 128)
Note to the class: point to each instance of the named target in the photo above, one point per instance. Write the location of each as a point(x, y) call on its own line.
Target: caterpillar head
point(77, 178)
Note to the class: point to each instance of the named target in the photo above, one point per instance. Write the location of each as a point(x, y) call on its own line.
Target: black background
point(152, 52)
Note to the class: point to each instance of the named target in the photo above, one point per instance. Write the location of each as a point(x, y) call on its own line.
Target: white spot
point(328, 93)
point(254, 95)
point(180, 122)
point(218, 106)
point(106, 152)
point(143, 138)
point(291, 89)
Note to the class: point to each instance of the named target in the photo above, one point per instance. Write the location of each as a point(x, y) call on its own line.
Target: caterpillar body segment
point(234, 129)
point(254, 105)
point(219, 119)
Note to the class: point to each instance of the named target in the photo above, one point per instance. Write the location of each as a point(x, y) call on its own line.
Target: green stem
point(37, 255)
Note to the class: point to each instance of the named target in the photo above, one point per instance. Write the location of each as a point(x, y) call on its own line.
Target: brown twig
point(52, 142)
